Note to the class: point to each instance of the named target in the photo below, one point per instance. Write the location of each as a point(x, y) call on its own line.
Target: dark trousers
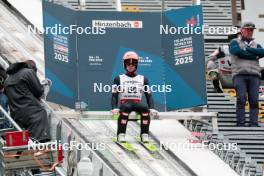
point(126, 109)
point(217, 87)
point(247, 85)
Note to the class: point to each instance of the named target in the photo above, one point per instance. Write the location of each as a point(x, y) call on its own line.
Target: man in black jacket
point(24, 91)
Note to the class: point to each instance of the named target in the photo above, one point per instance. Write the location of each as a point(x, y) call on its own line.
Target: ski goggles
point(129, 62)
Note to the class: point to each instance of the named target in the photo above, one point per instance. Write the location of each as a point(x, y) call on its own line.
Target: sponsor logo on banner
point(117, 24)
point(60, 48)
point(145, 61)
point(191, 22)
point(183, 51)
point(136, 24)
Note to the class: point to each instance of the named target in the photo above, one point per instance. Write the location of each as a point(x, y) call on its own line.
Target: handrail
point(9, 118)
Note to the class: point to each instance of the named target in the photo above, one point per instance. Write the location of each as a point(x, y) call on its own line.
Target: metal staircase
point(249, 158)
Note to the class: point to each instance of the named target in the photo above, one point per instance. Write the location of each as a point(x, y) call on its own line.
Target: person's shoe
point(121, 137)
point(256, 125)
point(144, 137)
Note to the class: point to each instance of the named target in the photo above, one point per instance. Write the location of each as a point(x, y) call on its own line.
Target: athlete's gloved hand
point(154, 113)
point(115, 113)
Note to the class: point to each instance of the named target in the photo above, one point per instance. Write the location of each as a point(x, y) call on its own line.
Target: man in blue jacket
point(246, 73)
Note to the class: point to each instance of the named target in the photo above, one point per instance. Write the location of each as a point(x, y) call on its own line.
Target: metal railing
point(10, 119)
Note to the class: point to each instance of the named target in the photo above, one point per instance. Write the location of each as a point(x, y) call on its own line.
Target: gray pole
point(162, 10)
point(162, 54)
point(234, 13)
point(82, 4)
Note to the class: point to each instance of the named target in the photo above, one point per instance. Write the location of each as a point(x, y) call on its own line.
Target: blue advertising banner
point(100, 56)
point(60, 54)
point(184, 57)
point(173, 63)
